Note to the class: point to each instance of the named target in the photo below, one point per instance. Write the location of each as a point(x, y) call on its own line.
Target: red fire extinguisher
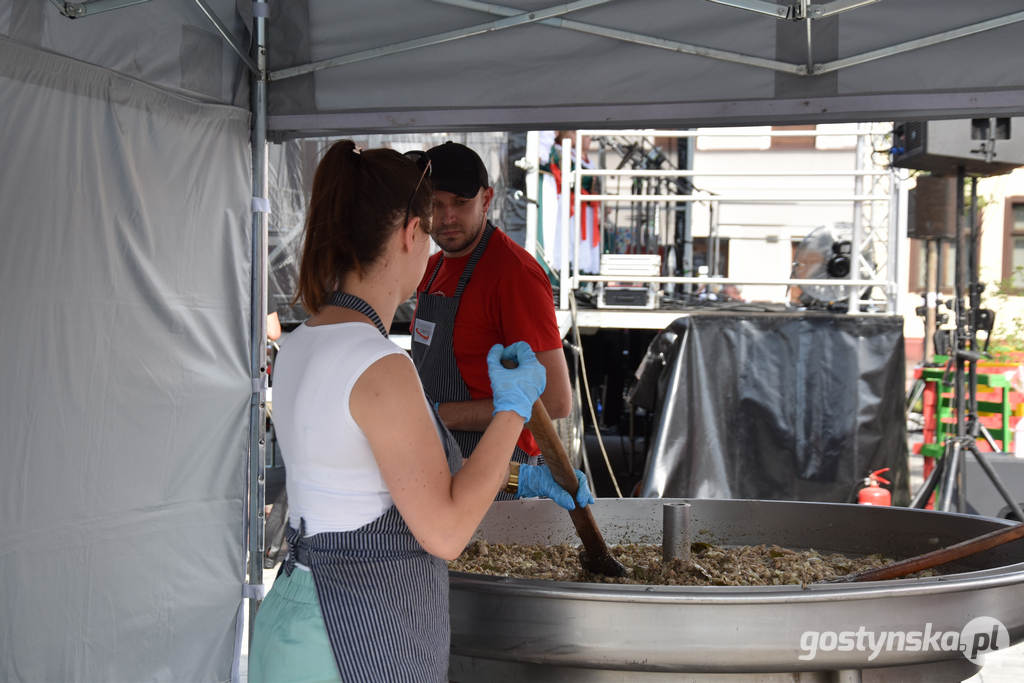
point(872, 493)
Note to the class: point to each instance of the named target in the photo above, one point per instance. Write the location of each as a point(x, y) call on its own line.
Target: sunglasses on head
point(422, 162)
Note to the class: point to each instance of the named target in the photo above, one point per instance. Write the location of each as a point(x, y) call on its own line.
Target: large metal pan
point(518, 629)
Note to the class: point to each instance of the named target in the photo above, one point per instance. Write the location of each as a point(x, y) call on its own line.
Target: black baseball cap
point(457, 169)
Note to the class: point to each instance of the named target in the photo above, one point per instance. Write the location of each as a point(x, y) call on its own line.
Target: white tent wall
point(125, 280)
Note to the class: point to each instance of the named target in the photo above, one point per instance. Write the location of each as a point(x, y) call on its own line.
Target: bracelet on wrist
point(512, 485)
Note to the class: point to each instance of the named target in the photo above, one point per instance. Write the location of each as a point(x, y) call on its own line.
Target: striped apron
point(383, 598)
point(433, 352)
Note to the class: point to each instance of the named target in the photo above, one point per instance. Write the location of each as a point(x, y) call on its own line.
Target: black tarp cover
point(787, 406)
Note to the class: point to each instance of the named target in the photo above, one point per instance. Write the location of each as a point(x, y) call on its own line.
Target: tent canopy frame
point(551, 17)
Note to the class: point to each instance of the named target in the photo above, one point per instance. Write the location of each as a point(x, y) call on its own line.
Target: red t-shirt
point(508, 299)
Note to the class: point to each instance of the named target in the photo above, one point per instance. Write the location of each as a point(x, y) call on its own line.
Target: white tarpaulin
point(124, 287)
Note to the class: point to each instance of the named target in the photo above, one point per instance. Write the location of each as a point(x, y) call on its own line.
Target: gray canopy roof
point(639, 63)
point(419, 65)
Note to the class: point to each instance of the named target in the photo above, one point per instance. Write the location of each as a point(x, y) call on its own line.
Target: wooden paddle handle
point(938, 557)
point(557, 461)
point(596, 557)
point(551, 446)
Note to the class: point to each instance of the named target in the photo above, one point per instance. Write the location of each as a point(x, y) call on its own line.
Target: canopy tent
point(134, 256)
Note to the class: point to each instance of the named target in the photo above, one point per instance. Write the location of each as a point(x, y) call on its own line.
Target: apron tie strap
point(353, 302)
point(296, 544)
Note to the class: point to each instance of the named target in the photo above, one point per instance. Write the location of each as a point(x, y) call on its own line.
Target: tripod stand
point(949, 470)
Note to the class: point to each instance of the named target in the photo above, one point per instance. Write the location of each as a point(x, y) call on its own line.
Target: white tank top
point(332, 477)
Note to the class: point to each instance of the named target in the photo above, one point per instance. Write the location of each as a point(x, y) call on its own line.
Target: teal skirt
point(289, 642)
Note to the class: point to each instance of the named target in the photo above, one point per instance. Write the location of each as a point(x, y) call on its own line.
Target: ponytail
point(357, 201)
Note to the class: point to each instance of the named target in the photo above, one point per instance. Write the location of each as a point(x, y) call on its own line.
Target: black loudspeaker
point(931, 208)
point(982, 496)
point(982, 147)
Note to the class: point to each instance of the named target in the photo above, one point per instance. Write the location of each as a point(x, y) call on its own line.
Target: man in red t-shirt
point(481, 289)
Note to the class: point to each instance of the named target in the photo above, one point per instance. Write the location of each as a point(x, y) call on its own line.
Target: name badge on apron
point(423, 331)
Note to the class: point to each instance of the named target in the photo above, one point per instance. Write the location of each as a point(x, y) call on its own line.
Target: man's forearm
point(468, 416)
point(475, 415)
point(557, 396)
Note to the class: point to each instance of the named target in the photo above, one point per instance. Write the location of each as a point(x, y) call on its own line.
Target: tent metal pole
point(712, 255)
point(532, 191)
point(759, 6)
point(689, 173)
point(639, 38)
point(853, 304)
point(927, 41)
point(564, 279)
point(577, 183)
point(77, 10)
point(831, 198)
point(821, 11)
point(894, 247)
point(258, 329)
point(702, 280)
point(721, 133)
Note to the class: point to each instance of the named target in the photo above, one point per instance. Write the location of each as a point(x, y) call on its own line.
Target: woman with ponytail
point(378, 493)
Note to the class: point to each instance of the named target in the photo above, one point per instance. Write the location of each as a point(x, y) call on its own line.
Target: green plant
point(1009, 340)
point(1008, 286)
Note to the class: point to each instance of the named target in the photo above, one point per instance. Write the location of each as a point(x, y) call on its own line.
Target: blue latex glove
point(518, 388)
point(536, 480)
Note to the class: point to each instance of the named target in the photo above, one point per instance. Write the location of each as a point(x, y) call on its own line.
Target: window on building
point(702, 255)
point(1013, 242)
